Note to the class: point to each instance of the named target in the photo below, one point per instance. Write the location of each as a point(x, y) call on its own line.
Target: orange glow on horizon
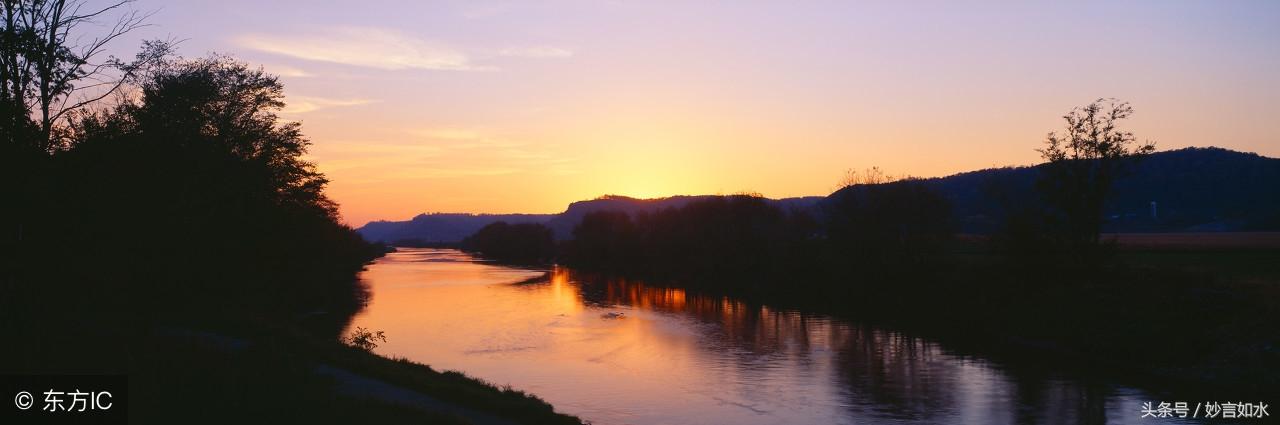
point(527, 111)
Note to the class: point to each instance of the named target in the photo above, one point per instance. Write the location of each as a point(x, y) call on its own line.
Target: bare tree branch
point(46, 58)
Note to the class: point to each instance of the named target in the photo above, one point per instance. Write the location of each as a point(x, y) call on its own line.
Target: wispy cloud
point(536, 52)
point(356, 149)
point(363, 46)
point(445, 172)
point(463, 138)
point(441, 153)
point(447, 134)
point(287, 71)
point(304, 104)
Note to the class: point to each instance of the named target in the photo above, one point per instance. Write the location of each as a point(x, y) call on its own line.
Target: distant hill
point(441, 227)
point(1193, 189)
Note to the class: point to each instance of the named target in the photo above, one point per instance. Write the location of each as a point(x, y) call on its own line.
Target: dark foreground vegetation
point(168, 229)
point(1047, 284)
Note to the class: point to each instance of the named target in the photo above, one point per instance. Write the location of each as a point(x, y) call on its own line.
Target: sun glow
point(644, 190)
point(527, 112)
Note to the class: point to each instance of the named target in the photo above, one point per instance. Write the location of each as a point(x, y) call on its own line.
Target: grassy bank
point(237, 371)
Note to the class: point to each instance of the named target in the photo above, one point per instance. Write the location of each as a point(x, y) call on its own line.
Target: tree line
point(739, 238)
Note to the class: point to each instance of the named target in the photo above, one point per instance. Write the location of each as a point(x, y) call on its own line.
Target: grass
point(175, 381)
point(449, 386)
point(1236, 257)
point(298, 347)
point(1229, 265)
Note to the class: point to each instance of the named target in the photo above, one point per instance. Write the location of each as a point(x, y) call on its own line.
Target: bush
point(365, 339)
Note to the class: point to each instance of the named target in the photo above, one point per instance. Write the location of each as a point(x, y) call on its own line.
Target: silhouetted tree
point(888, 222)
point(604, 239)
point(519, 243)
point(1083, 162)
point(728, 239)
point(190, 199)
point(48, 70)
point(873, 175)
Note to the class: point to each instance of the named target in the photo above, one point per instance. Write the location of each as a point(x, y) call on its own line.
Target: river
point(621, 352)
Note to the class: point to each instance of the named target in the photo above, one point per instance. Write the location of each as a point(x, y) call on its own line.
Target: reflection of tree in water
point(887, 374)
point(899, 376)
point(1039, 398)
point(752, 329)
point(335, 322)
point(883, 374)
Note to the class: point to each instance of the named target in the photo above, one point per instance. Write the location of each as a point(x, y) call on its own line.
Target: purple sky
point(526, 106)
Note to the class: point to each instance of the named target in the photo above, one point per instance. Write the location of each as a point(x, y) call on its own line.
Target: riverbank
point(221, 360)
point(228, 371)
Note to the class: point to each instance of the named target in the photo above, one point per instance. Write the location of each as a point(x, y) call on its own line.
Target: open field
point(1238, 257)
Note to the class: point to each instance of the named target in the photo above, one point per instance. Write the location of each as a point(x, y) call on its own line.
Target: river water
point(622, 352)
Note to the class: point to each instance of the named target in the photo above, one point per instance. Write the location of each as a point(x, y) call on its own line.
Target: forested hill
point(1184, 190)
point(1193, 189)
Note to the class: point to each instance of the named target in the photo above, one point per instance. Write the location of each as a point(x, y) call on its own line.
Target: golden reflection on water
point(625, 352)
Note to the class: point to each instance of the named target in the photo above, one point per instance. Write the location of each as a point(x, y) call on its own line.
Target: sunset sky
point(526, 106)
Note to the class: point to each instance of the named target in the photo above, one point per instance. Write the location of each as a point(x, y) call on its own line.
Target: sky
point(500, 107)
